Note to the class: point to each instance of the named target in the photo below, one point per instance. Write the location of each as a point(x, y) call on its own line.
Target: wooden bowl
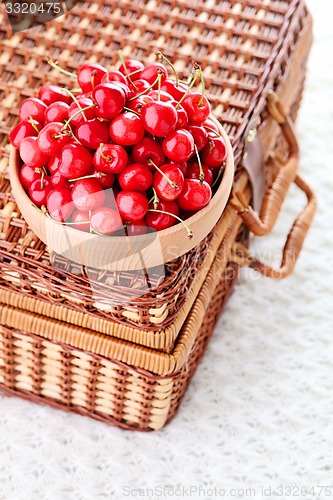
point(116, 253)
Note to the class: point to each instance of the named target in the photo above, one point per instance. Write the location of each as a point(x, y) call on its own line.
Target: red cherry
point(136, 228)
point(59, 181)
point(80, 217)
point(200, 136)
point(89, 114)
point(140, 86)
point(182, 165)
point(52, 93)
point(88, 194)
point(197, 107)
point(89, 76)
point(132, 205)
point(193, 172)
point(21, 131)
point(32, 107)
point(53, 164)
point(126, 129)
point(106, 180)
point(210, 124)
point(177, 92)
point(182, 118)
point(151, 71)
point(195, 195)
point(110, 158)
point(147, 150)
point(124, 88)
point(59, 203)
point(39, 190)
point(215, 152)
point(162, 184)
point(52, 139)
point(138, 103)
point(110, 99)
point(114, 76)
point(136, 177)
point(31, 154)
point(179, 145)
point(160, 221)
point(56, 112)
point(76, 161)
point(28, 175)
point(131, 66)
point(92, 133)
point(159, 118)
point(105, 220)
point(160, 96)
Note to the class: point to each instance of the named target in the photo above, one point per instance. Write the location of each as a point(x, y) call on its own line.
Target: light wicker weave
point(60, 347)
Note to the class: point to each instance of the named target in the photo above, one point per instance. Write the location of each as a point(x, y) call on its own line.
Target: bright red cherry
point(52, 93)
point(88, 194)
point(105, 220)
point(22, 130)
point(200, 136)
point(169, 184)
point(136, 177)
point(124, 88)
point(193, 172)
point(182, 118)
point(151, 71)
point(146, 150)
point(140, 86)
point(56, 112)
point(138, 103)
point(76, 161)
point(105, 180)
point(179, 145)
point(195, 195)
point(59, 181)
point(89, 114)
point(59, 203)
point(131, 65)
point(114, 76)
point(136, 228)
point(197, 107)
point(210, 124)
point(39, 190)
point(160, 96)
point(110, 99)
point(132, 205)
point(32, 107)
point(52, 138)
point(89, 76)
point(215, 152)
point(82, 219)
point(31, 154)
point(160, 221)
point(171, 88)
point(92, 133)
point(159, 118)
point(53, 164)
point(182, 165)
point(110, 158)
point(28, 175)
point(126, 129)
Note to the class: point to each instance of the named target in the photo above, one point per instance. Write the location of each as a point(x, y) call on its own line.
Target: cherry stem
point(196, 74)
point(33, 123)
point(211, 147)
point(212, 130)
point(54, 65)
point(161, 56)
point(121, 57)
point(96, 175)
point(222, 168)
point(81, 223)
point(145, 90)
point(189, 232)
point(154, 199)
point(202, 175)
point(172, 184)
point(106, 158)
point(81, 110)
point(76, 102)
point(42, 180)
point(135, 72)
point(93, 74)
point(200, 73)
point(132, 111)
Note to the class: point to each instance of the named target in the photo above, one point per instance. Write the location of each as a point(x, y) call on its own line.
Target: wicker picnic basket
point(121, 346)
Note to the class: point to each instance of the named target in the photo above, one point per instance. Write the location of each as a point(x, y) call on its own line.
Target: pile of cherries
point(132, 149)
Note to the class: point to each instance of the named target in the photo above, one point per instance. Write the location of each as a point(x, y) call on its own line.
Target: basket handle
point(262, 224)
point(241, 255)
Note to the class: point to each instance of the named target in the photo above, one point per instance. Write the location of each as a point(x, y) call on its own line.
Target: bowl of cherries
point(128, 170)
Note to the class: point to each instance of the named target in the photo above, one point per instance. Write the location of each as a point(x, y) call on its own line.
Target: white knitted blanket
point(258, 415)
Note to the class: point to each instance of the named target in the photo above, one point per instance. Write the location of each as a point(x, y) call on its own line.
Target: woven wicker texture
point(244, 48)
